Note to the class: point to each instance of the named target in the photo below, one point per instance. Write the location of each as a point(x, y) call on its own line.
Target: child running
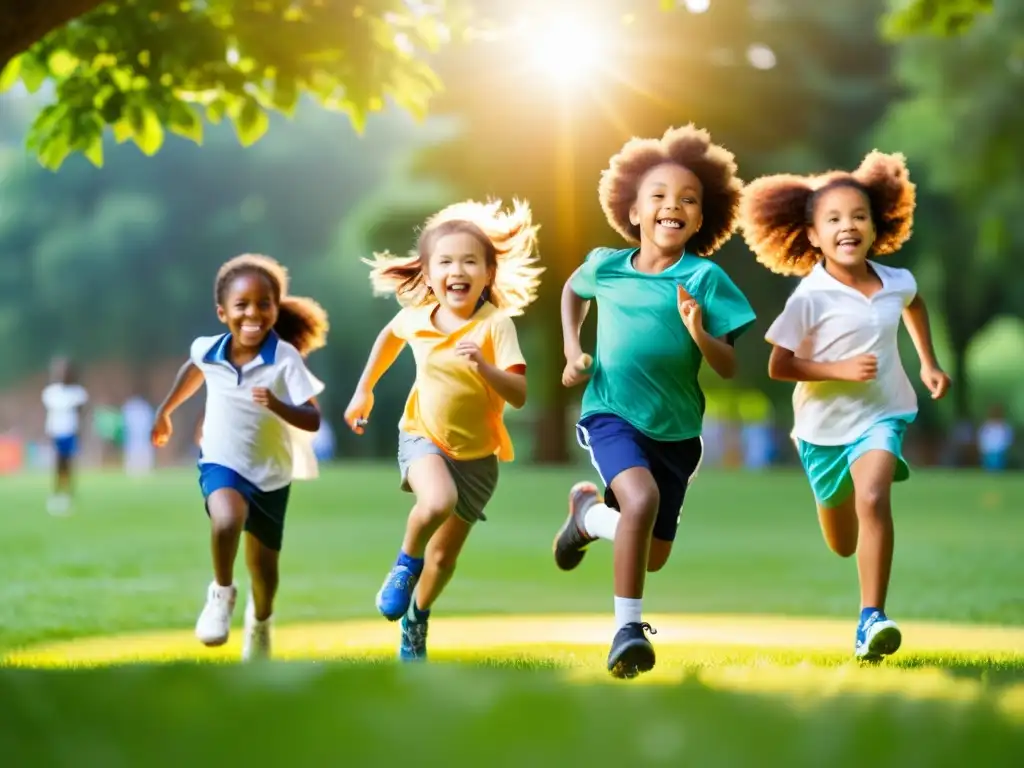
point(836, 338)
point(662, 311)
point(260, 409)
point(473, 269)
point(63, 399)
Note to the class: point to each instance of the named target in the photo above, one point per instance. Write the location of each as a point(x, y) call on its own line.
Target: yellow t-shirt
point(450, 403)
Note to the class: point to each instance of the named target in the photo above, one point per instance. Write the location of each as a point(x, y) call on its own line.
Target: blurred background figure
point(139, 455)
point(63, 399)
point(995, 439)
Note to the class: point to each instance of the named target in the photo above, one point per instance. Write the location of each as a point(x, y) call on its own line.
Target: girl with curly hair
point(474, 268)
point(663, 309)
point(260, 416)
point(837, 339)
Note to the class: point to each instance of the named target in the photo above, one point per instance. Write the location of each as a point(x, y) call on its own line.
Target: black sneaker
point(571, 541)
point(631, 653)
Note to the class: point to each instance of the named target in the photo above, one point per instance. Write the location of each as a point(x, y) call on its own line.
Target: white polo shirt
point(826, 321)
point(62, 402)
point(244, 436)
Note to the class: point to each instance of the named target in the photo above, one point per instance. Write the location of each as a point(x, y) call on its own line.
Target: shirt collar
point(218, 353)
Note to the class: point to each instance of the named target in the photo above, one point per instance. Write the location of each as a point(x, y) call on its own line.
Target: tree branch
point(25, 22)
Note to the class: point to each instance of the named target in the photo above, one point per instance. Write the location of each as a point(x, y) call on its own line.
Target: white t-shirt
point(62, 402)
point(244, 436)
point(826, 321)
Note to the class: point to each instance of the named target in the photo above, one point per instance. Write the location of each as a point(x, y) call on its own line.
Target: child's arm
point(574, 312)
point(915, 317)
point(383, 354)
point(305, 417)
point(510, 384)
point(784, 365)
point(186, 383)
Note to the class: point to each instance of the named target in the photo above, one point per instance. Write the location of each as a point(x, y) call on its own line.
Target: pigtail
point(303, 323)
point(399, 275)
point(773, 219)
point(893, 199)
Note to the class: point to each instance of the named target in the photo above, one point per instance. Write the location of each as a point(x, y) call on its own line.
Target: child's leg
point(262, 562)
point(228, 510)
point(839, 526)
point(425, 473)
point(873, 474)
point(436, 497)
point(442, 554)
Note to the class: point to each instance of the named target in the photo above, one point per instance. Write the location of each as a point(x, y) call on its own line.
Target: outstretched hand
point(689, 311)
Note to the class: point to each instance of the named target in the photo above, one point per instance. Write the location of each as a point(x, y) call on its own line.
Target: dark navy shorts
point(615, 445)
point(265, 520)
point(65, 447)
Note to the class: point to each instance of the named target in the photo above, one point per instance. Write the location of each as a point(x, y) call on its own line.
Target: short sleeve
point(584, 280)
point(910, 288)
point(726, 309)
point(299, 381)
point(506, 344)
point(792, 326)
point(79, 396)
point(200, 347)
point(401, 324)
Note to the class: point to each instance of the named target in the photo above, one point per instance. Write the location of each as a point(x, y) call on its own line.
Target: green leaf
point(148, 134)
point(94, 152)
point(285, 95)
point(54, 150)
point(33, 73)
point(216, 110)
point(9, 75)
point(184, 122)
point(62, 63)
point(251, 123)
point(122, 131)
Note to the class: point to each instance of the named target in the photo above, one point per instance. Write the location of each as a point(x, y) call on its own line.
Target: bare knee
point(442, 560)
point(227, 510)
point(873, 502)
point(437, 506)
point(639, 504)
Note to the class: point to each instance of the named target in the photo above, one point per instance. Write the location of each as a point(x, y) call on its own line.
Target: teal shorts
point(828, 466)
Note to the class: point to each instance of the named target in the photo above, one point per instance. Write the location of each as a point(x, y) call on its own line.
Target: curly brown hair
point(775, 211)
point(509, 240)
point(690, 147)
point(301, 321)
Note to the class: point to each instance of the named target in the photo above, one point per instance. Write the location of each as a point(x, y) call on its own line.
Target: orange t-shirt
point(451, 403)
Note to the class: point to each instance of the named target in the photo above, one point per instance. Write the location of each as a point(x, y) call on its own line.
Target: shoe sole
point(570, 520)
point(387, 616)
point(635, 658)
point(883, 644)
point(212, 642)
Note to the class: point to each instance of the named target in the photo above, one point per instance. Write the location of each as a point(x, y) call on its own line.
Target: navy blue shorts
point(615, 445)
point(265, 519)
point(65, 447)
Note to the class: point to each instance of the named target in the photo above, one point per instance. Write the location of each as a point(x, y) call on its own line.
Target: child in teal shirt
point(663, 310)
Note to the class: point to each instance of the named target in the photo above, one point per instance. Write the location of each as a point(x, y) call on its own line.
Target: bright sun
point(566, 50)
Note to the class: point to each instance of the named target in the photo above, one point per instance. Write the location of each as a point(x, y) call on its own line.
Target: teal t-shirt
point(645, 364)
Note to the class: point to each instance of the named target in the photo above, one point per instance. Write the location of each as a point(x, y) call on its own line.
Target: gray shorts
point(475, 479)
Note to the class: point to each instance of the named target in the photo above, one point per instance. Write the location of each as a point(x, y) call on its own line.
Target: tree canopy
point(146, 66)
point(939, 18)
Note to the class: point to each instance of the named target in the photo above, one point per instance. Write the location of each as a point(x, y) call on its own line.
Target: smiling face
point(249, 309)
point(668, 207)
point(842, 228)
point(458, 272)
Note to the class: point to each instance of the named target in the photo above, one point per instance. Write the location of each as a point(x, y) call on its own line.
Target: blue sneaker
point(877, 637)
point(414, 640)
point(631, 653)
point(395, 593)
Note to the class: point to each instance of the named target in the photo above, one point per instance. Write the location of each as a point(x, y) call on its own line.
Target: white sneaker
point(256, 640)
point(59, 504)
point(214, 624)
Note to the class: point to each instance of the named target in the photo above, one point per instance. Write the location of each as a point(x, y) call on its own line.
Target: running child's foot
point(631, 653)
point(572, 540)
point(414, 640)
point(395, 593)
point(214, 624)
point(877, 636)
point(256, 637)
point(58, 505)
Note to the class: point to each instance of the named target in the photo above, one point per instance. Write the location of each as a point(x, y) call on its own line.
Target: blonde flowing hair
point(509, 239)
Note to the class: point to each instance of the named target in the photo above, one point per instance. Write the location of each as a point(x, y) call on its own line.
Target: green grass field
point(755, 622)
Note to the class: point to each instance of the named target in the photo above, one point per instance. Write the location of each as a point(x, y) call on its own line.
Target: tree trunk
point(960, 389)
point(24, 22)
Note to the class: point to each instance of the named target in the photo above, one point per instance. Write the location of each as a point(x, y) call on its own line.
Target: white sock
point(628, 610)
point(601, 521)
